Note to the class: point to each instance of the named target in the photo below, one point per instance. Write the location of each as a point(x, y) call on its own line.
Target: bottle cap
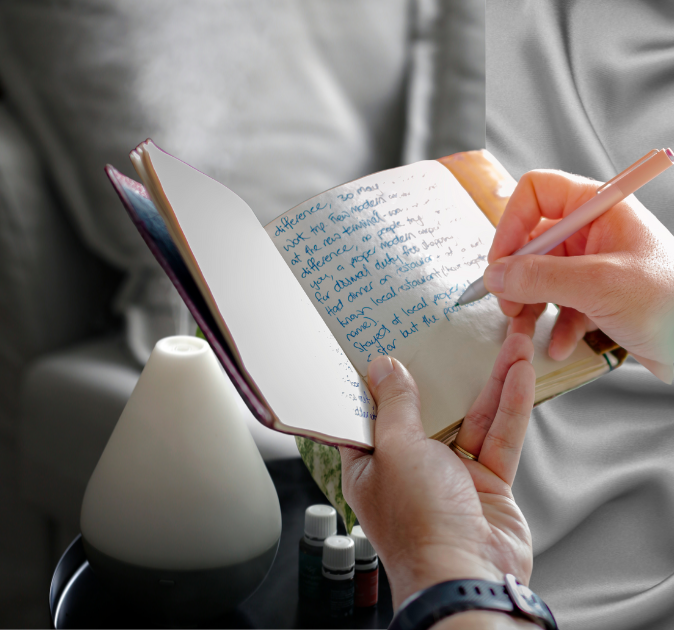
point(320, 521)
point(339, 553)
point(364, 548)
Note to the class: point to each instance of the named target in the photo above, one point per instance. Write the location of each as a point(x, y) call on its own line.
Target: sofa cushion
point(278, 100)
point(261, 96)
point(53, 292)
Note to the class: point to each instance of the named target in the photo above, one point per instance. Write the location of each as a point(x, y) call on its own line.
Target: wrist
point(492, 605)
point(411, 573)
point(483, 620)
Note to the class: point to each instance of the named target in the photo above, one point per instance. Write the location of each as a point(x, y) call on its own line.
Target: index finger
point(539, 194)
point(480, 416)
point(503, 444)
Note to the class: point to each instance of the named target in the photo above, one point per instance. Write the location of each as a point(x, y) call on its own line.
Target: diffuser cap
point(364, 548)
point(339, 553)
point(320, 521)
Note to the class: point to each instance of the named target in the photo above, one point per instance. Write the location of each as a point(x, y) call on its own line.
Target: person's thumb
point(578, 282)
point(397, 398)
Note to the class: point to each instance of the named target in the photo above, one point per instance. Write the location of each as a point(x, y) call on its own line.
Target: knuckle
point(527, 280)
point(518, 342)
point(610, 281)
point(479, 420)
point(398, 395)
point(512, 413)
point(500, 442)
point(398, 391)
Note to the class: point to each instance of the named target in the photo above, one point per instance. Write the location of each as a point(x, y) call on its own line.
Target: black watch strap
point(427, 607)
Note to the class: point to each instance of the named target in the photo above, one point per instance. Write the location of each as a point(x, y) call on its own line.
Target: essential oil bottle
point(339, 560)
point(367, 570)
point(320, 521)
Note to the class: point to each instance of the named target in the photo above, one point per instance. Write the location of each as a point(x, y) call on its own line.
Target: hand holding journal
point(297, 309)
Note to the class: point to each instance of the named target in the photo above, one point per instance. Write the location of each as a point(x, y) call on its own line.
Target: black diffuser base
point(78, 599)
point(180, 598)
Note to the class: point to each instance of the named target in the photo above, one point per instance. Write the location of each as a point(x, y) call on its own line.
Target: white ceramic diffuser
point(180, 513)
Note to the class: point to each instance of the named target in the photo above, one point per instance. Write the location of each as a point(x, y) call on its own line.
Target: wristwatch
point(427, 607)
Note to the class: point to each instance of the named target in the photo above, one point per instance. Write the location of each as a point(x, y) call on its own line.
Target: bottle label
point(367, 588)
point(340, 597)
point(310, 576)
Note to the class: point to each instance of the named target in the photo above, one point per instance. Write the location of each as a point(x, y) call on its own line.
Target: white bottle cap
point(364, 548)
point(320, 521)
point(339, 553)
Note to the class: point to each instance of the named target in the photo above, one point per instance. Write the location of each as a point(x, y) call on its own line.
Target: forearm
point(483, 620)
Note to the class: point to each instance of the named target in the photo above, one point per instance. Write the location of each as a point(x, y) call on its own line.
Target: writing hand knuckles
point(525, 281)
point(613, 283)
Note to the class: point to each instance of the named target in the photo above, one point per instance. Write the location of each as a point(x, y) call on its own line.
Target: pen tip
point(457, 304)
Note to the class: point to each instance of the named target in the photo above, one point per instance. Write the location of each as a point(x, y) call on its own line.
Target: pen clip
point(629, 169)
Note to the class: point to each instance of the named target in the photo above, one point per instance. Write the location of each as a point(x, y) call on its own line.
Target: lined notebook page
point(384, 260)
point(283, 343)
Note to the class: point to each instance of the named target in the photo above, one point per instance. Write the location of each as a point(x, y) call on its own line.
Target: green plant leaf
point(325, 466)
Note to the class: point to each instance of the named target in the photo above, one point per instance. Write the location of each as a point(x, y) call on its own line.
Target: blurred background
point(278, 100)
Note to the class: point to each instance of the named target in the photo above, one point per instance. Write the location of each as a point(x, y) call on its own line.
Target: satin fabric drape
point(587, 86)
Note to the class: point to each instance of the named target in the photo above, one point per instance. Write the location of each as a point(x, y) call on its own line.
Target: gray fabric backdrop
point(587, 86)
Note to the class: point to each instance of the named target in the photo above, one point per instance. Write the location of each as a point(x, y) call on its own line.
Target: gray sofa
point(293, 98)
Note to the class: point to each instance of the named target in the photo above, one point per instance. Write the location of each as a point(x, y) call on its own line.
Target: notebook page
point(384, 260)
point(279, 336)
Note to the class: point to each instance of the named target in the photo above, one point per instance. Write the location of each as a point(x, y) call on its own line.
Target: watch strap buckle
point(528, 604)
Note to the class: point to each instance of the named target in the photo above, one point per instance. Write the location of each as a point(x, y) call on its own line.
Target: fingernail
point(493, 277)
point(379, 369)
point(510, 326)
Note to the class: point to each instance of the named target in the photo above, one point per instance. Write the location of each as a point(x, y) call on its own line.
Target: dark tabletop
point(82, 602)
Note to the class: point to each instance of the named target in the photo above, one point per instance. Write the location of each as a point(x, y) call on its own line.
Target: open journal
point(297, 309)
